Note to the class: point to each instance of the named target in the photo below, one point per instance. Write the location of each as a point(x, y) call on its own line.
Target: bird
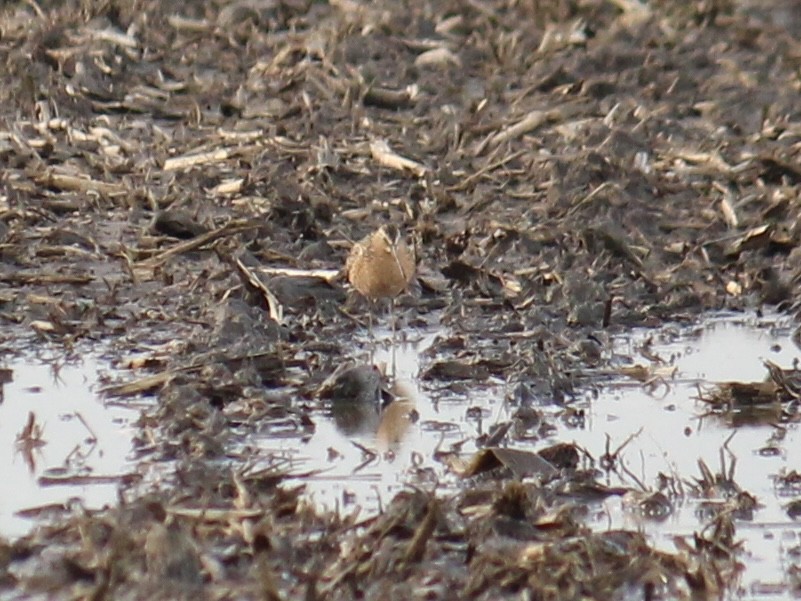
point(381, 266)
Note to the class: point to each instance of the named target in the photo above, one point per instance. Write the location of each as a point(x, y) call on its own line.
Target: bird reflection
point(396, 417)
point(353, 419)
point(361, 406)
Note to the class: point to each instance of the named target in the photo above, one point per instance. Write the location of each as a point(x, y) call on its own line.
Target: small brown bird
point(381, 265)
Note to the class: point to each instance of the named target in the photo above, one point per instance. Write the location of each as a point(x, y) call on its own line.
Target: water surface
point(79, 451)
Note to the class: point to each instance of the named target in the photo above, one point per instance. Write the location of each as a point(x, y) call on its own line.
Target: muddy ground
point(566, 170)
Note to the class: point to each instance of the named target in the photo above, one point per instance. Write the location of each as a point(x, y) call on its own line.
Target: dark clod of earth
point(185, 181)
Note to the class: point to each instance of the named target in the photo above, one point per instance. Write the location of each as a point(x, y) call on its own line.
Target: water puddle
point(364, 457)
point(77, 449)
point(667, 430)
point(60, 445)
point(674, 434)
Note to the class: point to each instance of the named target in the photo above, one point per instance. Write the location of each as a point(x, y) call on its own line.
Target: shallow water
point(674, 434)
point(79, 436)
point(349, 477)
point(360, 467)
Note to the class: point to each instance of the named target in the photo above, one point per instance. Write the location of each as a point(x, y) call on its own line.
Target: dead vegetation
point(774, 400)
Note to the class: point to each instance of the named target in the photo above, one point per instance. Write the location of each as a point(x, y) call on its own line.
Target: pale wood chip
point(216, 515)
point(529, 123)
point(116, 36)
point(188, 161)
point(228, 187)
point(437, 57)
point(76, 183)
point(181, 23)
point(382, 154)
point(324, 274)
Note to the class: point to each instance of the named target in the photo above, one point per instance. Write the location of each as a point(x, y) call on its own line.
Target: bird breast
point(380, 271)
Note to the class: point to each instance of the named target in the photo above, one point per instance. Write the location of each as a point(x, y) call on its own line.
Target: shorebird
point(380, 266)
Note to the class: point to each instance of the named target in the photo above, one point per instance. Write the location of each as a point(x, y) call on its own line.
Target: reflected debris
point(776, 399)
point(652, 505)
point(6, 377)
point(30, 439)
point(57, 435)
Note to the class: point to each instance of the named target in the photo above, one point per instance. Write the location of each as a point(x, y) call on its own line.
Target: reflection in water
point(677, 434)
point(355, 418)
point(370, 445)
point(29, 441)
point(362, 406)
point(674, 434)
point(355, 395)
point(397, 416)
point(53, 427)
point(6, 376)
